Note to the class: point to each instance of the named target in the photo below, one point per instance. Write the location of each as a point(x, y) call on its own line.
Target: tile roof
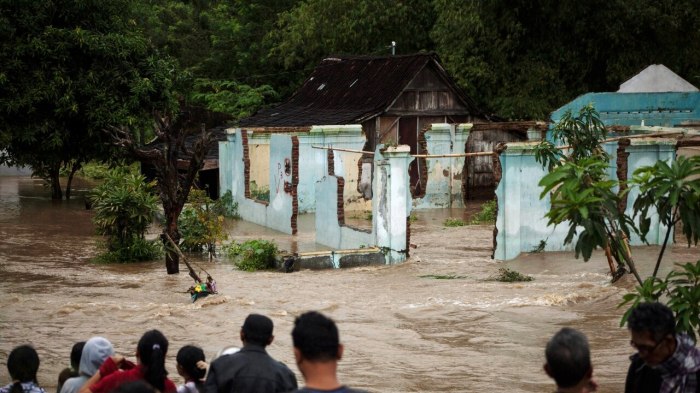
point(348, 90)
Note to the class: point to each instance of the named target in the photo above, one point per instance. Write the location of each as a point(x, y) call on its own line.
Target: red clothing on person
point(111, 378)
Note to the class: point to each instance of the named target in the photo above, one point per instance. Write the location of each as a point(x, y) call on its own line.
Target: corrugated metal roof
point(347, 90)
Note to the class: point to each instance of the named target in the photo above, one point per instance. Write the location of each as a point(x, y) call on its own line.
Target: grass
point(508, 275)
point(487, 215)
point(454, 222)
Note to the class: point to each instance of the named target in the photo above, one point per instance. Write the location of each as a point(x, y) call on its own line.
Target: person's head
point(257, 330)
point(95, 352)
point(187, 358)
point(75, 354)
point(151, 351)
point(652, 328)
point(22, 364)
point(316, 338)
point(569, 359)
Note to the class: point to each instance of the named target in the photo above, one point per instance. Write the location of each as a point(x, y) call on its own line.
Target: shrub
point(252, 255)
point(124, 207)
point(454, 222)
point(487, 214)
point(139, 250)
point(200, 225)
point(226, 206)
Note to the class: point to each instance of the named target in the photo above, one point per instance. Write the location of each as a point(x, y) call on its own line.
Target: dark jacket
point(251, 370)
point(642, 378)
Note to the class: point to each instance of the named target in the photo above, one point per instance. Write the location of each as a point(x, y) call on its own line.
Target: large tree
point(525, 58)
point(67, 70)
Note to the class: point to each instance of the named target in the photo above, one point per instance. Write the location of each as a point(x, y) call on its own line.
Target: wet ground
point(405, 327)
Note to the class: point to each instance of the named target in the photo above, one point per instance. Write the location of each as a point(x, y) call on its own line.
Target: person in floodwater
point(665, 361)
point(569, 362)
point(317, 350)
point(95, 352)
point(116, 370)
point(23, 364)
point(192, 366)
point(71, 371)
point(252, 369)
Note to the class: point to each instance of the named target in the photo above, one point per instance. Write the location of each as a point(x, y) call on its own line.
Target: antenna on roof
point(393, 48)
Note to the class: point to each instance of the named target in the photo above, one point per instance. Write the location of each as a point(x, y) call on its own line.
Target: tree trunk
point(172, 259)
point(74, 168)
point(55, 179)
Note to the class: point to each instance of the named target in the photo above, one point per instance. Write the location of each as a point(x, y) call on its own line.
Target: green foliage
point(200, 225)
point(68, 70)
point(540, 247)
point(487, 214)
point(508, 275)
point(252, 255)
point(230, 97)
point(138, 250)
point(259, 193)
point(225, 206)
point(674, 192)
point(124, 207)
point(681, 289)
point(454, 222)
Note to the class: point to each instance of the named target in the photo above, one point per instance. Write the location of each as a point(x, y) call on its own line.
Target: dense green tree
point(523, 59)
point(68, 69)
point(315, 29)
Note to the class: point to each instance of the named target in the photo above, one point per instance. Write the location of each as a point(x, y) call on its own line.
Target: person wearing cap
point(317, 350)
point(252, 369)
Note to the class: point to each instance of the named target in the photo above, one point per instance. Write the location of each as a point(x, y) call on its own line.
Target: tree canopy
point(67, 70)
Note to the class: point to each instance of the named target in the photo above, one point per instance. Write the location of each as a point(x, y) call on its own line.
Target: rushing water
point(403, 329)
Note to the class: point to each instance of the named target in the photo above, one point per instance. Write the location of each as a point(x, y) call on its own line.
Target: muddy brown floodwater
point(403, 329)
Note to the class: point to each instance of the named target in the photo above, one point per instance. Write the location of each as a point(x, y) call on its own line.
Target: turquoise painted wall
point(444, 184)
point(655, 109)
point(521, 221)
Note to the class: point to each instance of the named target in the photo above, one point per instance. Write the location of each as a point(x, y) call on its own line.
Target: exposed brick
point(341, 202)
point(622, 159)
point(294, 184)
point(331, 162)
point(246, 163)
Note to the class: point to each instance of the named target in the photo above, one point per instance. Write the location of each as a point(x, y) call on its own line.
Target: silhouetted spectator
point(569, 362)
point(665, 361)
point(72, 371)
point(23, 364)
point(317, 350)
point(95, 352)
point(192, 366)
point(116, 370)
point(252, 369)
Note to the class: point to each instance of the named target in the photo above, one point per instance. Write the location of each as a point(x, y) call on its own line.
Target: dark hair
point(76, 353)
point(568, 357)
point(257, 329)
point(22, 364)
point(138, 386)
point(187, 358)
point(652, 317)
point(152, 348)
point(316, 336)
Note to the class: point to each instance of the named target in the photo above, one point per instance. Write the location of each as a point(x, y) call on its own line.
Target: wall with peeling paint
point(521, 224)
point(391, 208)
point(443, 188)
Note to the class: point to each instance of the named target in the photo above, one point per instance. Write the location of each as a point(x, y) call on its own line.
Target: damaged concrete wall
point(391, 208)
point(445, 178)
point(314, 163)
point(281, 212)
point(521, 224)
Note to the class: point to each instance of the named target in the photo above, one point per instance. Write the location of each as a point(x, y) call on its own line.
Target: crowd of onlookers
point(665, 361)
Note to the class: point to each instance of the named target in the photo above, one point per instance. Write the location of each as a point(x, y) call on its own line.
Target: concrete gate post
point(392, 201)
